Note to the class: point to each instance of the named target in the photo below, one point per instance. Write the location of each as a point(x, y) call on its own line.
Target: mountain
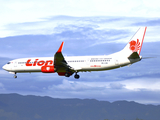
point(18, 107)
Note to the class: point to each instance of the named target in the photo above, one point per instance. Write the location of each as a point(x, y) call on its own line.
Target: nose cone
point(5, 67)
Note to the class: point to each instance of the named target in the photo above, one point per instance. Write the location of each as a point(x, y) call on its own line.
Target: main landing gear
point(76, 76)
point(67, 74)
point(15, 76)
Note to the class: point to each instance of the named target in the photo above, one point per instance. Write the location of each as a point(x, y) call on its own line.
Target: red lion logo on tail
point(134, 46)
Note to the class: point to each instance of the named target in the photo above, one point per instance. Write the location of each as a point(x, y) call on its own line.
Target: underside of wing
point(62, 68)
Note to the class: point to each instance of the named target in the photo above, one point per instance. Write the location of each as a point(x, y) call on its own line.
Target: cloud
point(152, 22)
point(132, 90)
point(91, 30)
point(59, 24)
point(40, 17)
point(149, 84)
point(72, 86)
point(116, 86)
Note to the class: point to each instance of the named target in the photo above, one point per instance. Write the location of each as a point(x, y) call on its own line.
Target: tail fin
point(135, 44)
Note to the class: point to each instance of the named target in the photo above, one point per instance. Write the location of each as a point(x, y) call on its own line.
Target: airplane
point(68, 65)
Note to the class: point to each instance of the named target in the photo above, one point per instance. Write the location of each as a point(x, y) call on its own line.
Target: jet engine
point(48, 69)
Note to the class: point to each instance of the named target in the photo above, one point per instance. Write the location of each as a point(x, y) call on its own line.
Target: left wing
point(60, 63)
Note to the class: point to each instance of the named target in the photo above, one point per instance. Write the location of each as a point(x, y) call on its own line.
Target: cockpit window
point(9, 63)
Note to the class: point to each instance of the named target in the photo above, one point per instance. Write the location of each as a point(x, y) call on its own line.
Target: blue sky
point(94, 27)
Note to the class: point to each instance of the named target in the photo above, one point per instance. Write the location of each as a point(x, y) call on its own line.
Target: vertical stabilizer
point(135, 44)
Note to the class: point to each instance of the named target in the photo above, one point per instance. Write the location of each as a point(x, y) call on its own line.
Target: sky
point(36, 28)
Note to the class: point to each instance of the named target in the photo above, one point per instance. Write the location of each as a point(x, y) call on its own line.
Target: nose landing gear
point(76, 76)
point(15, 76)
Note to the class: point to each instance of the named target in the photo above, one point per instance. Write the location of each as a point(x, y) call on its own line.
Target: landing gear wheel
point(67, 74)
point(15, 76)
point(76, 76)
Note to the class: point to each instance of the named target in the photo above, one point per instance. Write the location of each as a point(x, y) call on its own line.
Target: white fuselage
point(79, 63)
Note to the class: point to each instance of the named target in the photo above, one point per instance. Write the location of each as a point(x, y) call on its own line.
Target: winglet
point(60, 48)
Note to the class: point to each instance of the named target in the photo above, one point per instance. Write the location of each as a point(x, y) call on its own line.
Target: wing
point(60, 63)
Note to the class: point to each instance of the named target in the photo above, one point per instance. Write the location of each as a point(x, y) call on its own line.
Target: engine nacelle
point(48, 69)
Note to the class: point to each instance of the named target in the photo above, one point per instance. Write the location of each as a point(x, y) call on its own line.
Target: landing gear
point(15, 76)
point(67, 74)
point(76, 76)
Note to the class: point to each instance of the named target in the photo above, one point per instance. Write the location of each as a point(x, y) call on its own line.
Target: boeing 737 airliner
point(66, 66)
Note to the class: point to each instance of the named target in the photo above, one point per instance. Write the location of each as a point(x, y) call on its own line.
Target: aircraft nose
point(5, 67)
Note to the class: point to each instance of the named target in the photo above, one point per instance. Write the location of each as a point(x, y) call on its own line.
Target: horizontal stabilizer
point(134, 55)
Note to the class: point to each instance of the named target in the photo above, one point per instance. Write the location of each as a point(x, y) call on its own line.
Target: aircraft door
point(88, 61)
point(116, 62)
point(15, 64)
